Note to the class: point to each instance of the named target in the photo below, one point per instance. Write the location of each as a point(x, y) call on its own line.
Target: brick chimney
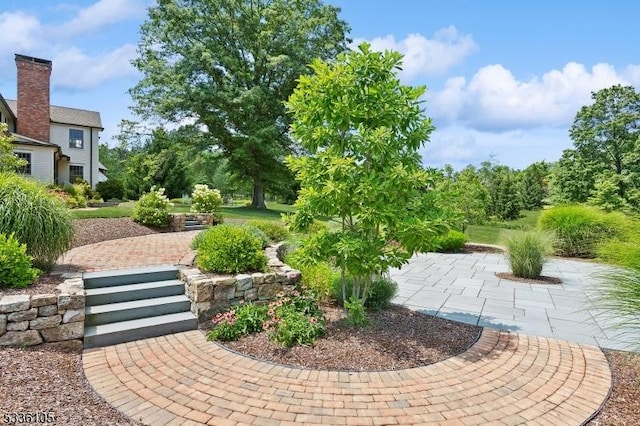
point(34, 115)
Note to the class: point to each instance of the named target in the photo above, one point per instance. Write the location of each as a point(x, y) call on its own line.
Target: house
point(60, 144)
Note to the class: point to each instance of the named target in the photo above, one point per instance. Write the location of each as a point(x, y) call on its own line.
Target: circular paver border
point(504, 378)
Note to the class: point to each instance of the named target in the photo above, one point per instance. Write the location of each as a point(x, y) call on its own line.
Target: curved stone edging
point(505, 378)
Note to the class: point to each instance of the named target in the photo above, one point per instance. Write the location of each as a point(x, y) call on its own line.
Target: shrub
point(451, 242)
point(580, 229)
point(111, 189)
point(36, 218)
point(276, 231)
point(205, 200)
point(621, 252)
point(152, 209)
point(197, 240)
point(230, 249)
point(317, 226)
point(239, 321)
point(317, 278)
point(527, 253)
point(294, 319)
point(620, 297)
point(381, 291)
point(15, 264)
point(264, 239)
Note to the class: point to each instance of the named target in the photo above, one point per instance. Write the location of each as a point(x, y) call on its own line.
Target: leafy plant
point(527, 253)
point(230, 249)
point(15, 264)
point(620, 297)
point(580, 229)
point(294, 319)
point(316, 278)
point(35, 217)
point(363, 132)
point(9, 161)
point(111, 189)
point(381, 291)
point(276, 231)
point(621, 252)
point(357, 312)
point(239, 321)
point(451, 242)
point(152, 209)
point(206, 200)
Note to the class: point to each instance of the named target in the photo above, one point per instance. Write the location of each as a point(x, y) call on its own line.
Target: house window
point(75, 173)
point(26, 169)
point(76, 138)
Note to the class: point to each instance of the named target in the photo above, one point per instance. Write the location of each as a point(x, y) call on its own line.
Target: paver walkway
point(464, 287)
point(504, 379)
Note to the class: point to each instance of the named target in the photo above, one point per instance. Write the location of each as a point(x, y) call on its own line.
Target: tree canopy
point(362, 130)
point(227, 66)
point(606, 137)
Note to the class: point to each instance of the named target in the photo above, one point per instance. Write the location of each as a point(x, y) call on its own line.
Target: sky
point(504, 79)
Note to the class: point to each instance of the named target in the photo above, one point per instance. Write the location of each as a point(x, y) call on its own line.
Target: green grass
point(499, 233)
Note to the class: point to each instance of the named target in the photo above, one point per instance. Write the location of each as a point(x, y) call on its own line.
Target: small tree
point(9, 161)
point(362, 130)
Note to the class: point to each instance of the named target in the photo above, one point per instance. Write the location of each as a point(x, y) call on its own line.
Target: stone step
point(129, 276)
point(194, 227)
point(125, 311)
point(127, 331)
point(130, 292)
point(192, 222)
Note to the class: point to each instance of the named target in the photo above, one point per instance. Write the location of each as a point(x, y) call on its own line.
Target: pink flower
point(313, 320)
point(271, 312)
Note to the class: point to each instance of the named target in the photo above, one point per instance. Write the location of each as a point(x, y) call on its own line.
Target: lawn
point(498, 233)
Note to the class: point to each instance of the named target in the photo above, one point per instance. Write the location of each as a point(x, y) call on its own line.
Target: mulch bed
point(542, 279)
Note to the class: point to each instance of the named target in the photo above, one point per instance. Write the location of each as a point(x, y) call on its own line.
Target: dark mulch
point(542, 279)
point(396, 338)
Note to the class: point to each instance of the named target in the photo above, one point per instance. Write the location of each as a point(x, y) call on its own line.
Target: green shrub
point(527, 253)
point(621, 252)
point(317, 278)
point(205, 200)
point(620, 297)
point(317, 227)
point(15, 264)
point(238, 321)
point(579, 229)
point(357, 312)
point(230, 249)
point(294, 319)
point(111, 189)
point(276, 231)
point(381, 291)
point(197, 240)
point(264, 239)
point(451, 242)
point(152, 209)
point(36, 218)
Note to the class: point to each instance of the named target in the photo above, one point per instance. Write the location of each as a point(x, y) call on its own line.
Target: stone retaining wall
point(27, 320)
point(210, 295)
point(178, 220)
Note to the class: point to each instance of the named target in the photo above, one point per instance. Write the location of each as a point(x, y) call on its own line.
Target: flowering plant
point(152, 209)
point(205, 200)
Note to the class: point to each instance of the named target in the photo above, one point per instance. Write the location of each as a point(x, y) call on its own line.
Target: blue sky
point(505, 79)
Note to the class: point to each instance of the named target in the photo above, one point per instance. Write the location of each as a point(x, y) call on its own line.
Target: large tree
point(228, 65)
point(606, 136)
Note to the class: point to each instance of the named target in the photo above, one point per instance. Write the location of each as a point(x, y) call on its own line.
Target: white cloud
point(73, 69)
point(460, 146)
point(424, 56)
point(20, 33)
point(496, 100)
point(101, 14)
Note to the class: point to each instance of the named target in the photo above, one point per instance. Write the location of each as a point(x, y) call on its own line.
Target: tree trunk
point(257, 200)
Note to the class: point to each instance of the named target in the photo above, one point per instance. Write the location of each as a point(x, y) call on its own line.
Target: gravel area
point(49, 378)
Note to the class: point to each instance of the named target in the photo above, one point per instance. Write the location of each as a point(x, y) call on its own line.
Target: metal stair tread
point(121, 306)
point(132, 287)
point(117, 327)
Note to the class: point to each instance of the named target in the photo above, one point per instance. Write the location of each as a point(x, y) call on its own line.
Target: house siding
point(41, 161)
point(86, 157)
point(5, 117)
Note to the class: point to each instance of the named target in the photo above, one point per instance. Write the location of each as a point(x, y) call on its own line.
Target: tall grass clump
point(620, 297)
point(527, 253)
point(620, 252)
point(579, 230)
point(37, 219)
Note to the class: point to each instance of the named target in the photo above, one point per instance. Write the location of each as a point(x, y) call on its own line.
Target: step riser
point(137, 313)
point(194, 227)
point(129, 279)
point(129, 296)
point(139, 333)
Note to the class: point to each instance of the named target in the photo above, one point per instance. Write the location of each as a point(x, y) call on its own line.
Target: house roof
point(25, 140)
point(6, 105)
point(64, 115)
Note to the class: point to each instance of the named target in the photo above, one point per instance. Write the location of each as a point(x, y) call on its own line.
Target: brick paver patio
point(504, 379)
